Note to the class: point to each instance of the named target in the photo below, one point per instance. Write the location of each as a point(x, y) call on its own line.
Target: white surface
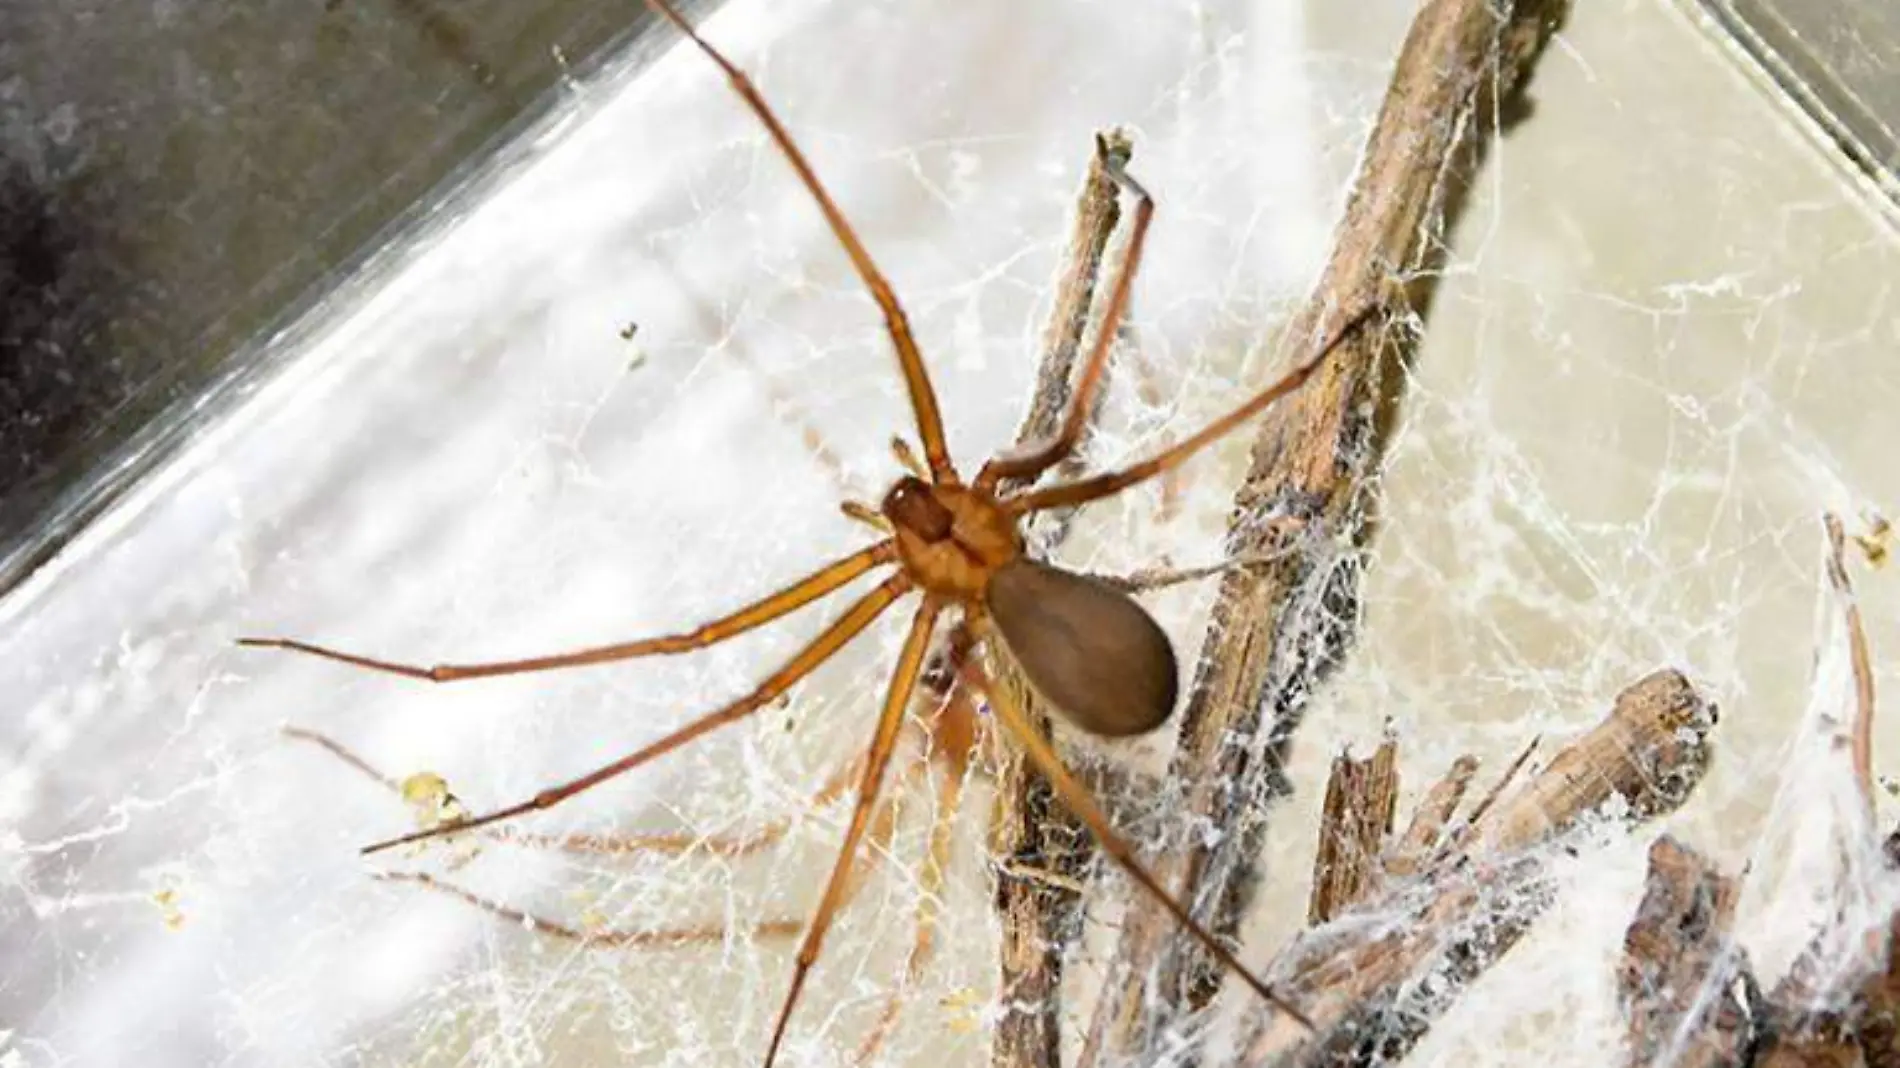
point(1665, 346)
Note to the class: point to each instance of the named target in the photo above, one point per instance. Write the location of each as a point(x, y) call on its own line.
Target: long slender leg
point(1028, 463)
point(869, 516)
point(884, 825)
point(1102, 485)
point(679, 844)
point(930, 890)
point(609, 938)
point(346, 755)
point(909, 664)
point(953, 733)
point(1151, 579)
point(923, 398)
point(801, 593)
point(1077, 798)
point(610, 845)
point(848, 626)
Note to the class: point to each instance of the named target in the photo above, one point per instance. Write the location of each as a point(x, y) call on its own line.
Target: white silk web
point(1661, 350)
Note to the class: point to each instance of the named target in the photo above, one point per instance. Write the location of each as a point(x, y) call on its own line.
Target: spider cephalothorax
point(950, 538)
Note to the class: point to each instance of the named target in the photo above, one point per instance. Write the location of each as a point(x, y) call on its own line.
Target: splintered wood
point(1689, 996)
point(1276, 630)
point(1041, 847)
point(1361, 798)
point(1690, 999)
point(1375, 976)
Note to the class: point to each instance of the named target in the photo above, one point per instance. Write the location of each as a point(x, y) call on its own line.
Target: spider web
point(1661, 350)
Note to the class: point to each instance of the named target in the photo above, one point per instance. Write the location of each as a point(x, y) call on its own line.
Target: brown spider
point(1083, 644)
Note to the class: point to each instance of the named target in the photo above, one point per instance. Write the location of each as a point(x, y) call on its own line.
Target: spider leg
point(884, 825)
point(846, 627)
point(869, 516)
point(1097, 486)
point(679, 844)
point(675, 844)
point(1077, 798)
point(910, 664)
point(1025, 464)
point(951, 729)
point(771, 607)
point(948, 726)
point(346, 755)
point(930, 890)
point(609, 938)
point(906, 458)
point(923, 398)
point(1148, 580)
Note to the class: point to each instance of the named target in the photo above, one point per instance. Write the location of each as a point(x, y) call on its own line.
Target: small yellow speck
point(1877, 541)
point(428, 793)
point(424, 788)
point(167, 902)
point(965, 1010)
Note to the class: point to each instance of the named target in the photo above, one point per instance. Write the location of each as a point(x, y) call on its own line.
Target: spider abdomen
point(1086, 647)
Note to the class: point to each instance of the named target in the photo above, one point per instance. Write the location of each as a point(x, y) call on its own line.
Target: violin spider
point(1083, 644)
point(944, 718)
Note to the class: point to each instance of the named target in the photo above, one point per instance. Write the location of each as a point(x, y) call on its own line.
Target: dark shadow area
point(45, 319)
point(178, 180)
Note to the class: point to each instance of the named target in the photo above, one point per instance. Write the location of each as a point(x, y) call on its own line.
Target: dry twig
point(1408, 855)
point(1277, 629)
point(1687, 994)
point(1691, 1000)
point(1374, 979)
point(1690, 997)
point(1497, 789)
point(1840, 1003)
point(1041, 848)
point(1362, 796)
point(1863, 731)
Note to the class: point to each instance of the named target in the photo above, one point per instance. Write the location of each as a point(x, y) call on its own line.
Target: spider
point(1084, 646)
point(947, 719)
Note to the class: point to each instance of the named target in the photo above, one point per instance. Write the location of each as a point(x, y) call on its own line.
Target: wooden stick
point(1863, 729)
point(1362, 797)
point(1041, 849)
point(1688, 994)
point(1851, 1024)
point(1692, 1000)
point(1357, 978)
point(1422, 837)
point(1277, 630)
point(1840, 1002)
point(1686, 991)
point(1497, 789)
